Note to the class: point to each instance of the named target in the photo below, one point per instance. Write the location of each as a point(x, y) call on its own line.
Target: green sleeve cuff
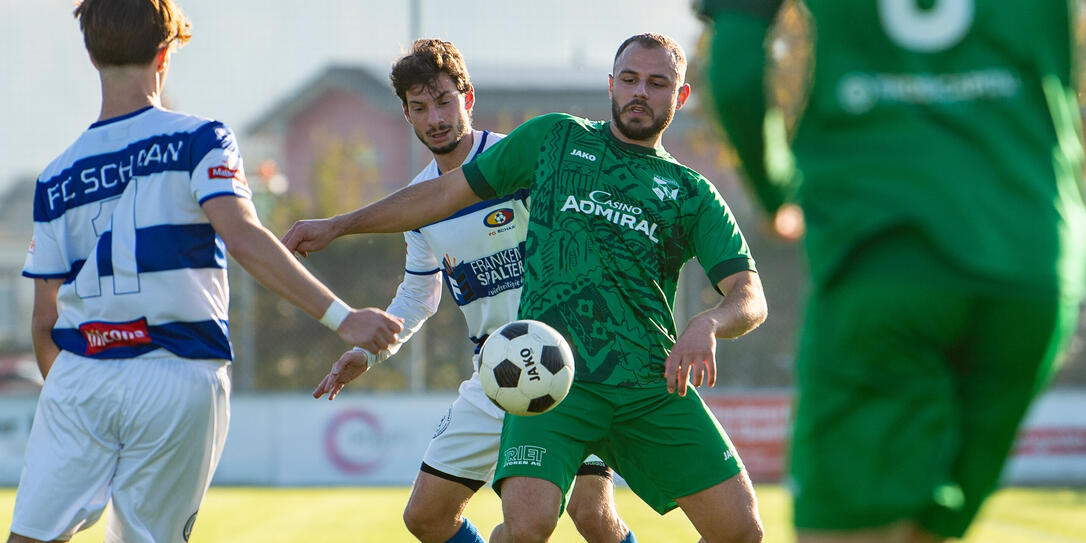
point(728, 267)
point(477, 181)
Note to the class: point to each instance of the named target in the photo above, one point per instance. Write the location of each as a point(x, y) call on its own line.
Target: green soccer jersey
point(955, 118)
point(611, 226)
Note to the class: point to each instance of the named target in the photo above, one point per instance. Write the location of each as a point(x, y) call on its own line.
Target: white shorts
point(145, 433)
point(465, 442)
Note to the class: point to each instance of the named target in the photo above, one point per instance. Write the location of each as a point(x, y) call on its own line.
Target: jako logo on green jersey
point(601, 204)
point(579, 153)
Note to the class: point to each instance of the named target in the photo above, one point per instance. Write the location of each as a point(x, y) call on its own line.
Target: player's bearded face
point(443, 137)
point(637, 120)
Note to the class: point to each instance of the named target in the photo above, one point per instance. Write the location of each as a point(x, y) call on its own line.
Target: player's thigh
point(551, 446)
point(727, 511)
point(1013, 348)
point(71, 451)
point(876, 429)
point(465, 442)
point(666, 446)
point(174, 436)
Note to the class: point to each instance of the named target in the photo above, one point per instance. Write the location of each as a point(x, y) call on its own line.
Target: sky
point(246, 55)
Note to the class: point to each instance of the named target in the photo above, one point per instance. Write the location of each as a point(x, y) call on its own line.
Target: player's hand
point(370, 328)
point(788, 222)
point(310, 235)
point(349, 366)
point(693, 358)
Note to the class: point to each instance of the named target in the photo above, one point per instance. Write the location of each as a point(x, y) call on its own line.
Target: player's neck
point(450, 161)
point(128, 88)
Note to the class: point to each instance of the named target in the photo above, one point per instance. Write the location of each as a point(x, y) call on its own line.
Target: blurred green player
point(940, 184)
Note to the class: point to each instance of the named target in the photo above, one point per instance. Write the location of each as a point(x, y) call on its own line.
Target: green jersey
point(611, 226)
point(954, 118)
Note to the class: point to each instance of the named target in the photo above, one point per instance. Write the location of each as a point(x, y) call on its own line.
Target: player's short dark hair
point(652, 39)
point(123, 32)
point(428, 59)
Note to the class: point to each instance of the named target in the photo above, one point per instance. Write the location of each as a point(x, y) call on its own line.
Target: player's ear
point(162, 59)
point(611, 85)
point(684, 94)
point(469, 98)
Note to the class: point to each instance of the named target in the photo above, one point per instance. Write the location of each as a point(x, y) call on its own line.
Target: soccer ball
point(526, 367)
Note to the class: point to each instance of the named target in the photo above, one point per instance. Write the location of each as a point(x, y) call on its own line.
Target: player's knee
point(594, 521)
point(530, 528)
point(420, 522)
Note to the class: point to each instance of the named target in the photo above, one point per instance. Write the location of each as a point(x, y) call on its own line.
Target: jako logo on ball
point(526, 367)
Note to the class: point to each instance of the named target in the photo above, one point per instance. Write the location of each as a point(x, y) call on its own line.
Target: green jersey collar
point(634, 148)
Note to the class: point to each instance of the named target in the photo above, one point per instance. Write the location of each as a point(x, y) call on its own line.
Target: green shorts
point(912, 382)
point(663, 445)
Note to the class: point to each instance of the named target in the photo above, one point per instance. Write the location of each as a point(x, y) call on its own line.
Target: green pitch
point(333, 515)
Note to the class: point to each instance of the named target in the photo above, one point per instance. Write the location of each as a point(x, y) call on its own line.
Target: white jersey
point(478, 252)
point(117, 216)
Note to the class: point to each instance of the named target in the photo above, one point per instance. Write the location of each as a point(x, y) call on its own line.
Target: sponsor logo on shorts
point(444, 424)
point(498, 217)
point(187, 531)
point(107, 335)
point(524, 455)
point(32, 246)
point(728, 455)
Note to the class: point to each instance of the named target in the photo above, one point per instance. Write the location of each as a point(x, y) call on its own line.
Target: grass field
point(334, 515)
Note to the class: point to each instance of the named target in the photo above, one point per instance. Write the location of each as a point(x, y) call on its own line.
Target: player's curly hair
point(652, 39)
point(123, 32)
point(427, 60)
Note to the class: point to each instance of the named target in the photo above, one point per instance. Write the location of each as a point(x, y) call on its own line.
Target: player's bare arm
point(694, 355)
point(43, 319)
point(257, 250)
point(410, 207)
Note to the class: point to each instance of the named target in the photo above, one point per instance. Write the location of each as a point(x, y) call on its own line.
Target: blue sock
point(629, 538)
point(466, 534)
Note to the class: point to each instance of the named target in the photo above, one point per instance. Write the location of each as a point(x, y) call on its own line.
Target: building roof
point(539, 90)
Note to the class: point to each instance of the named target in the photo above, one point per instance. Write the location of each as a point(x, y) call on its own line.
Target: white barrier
point(379, 439)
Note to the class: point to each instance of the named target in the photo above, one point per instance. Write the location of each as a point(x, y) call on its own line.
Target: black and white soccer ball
point(526, 367)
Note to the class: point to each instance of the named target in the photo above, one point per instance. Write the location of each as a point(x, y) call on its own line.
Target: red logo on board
point(107, 335)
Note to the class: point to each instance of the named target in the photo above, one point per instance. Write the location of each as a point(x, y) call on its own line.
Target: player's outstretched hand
point(349, 366)
point(310, 235)
point(693, 358)
point(370, 328)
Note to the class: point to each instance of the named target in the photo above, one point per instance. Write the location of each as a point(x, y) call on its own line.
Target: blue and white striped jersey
point(117, 216)
point(477, 251)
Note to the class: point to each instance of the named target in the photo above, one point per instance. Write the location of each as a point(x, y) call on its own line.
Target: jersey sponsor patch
point(224, 172)
point(485, 277)
point(499, 217)
point(107, 335)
